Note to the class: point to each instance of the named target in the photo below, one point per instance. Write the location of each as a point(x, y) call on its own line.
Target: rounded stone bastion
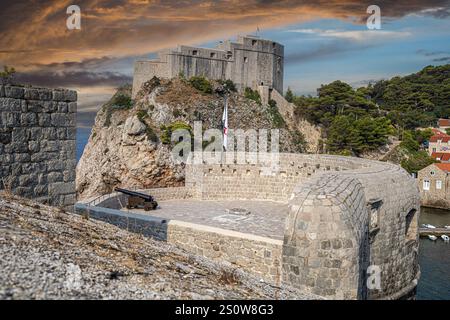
point(332, 226)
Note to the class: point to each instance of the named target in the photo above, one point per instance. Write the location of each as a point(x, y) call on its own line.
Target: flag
point(225, 124)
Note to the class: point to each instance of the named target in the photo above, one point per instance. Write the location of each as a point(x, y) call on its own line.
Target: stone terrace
point(266, 218)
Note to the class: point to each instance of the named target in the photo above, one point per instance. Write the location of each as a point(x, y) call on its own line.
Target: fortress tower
point(248, 62)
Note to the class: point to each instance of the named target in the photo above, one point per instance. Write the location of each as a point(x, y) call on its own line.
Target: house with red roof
point(439, 143)
point(443, 124)
point(441, 156)
point(434, 185)
point(437, 132)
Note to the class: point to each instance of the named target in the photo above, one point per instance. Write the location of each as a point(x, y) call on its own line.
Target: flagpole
point(224, 126)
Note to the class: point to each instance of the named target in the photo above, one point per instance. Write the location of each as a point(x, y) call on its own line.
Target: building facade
point(248, 62)
point(439, 144)
point(434, 185)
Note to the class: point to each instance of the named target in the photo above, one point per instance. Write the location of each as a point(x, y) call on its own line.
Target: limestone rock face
point(123, 155)
point(134, 127)
point(130, 142)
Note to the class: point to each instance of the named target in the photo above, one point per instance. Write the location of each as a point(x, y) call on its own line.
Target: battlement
point(317, 224)
point(248, 62)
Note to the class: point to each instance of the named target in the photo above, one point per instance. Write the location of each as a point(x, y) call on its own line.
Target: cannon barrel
point(144, 196)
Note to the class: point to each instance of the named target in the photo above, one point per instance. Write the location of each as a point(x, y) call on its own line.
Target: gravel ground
point(47, 253)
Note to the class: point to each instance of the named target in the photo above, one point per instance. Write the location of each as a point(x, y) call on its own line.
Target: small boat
point(447, 227)
point(445, 238)
point(434, 238)
point(429, 226)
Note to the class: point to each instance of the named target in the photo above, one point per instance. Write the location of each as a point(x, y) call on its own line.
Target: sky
point(324, 40)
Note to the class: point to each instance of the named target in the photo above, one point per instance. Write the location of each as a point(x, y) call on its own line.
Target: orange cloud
point(36, 32)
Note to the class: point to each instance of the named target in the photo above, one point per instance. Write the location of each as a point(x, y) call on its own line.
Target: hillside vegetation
point(361, 120)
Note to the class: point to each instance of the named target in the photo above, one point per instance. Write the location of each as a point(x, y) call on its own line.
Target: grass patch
point(202, 84)
point(275, 116)
point(252, 95)
point(166, 131)
point(121, 100)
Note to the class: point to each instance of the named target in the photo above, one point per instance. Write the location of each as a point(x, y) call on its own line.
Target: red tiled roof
point(437, 132)
point(444, 122)
point(441, 155)
point(443, 137)
point(443, 166)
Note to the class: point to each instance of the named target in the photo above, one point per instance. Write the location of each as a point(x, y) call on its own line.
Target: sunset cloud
point(35, 31)
point(94, 60)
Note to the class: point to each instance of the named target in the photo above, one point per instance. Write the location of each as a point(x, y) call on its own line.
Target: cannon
point(138, 199)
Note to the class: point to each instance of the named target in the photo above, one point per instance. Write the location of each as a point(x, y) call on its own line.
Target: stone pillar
point(38, 143)
point(264, 92)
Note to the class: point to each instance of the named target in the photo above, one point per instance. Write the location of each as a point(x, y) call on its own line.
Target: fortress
point(323, 224)
point(248, 62)
point(331, 226)
point(336, 227)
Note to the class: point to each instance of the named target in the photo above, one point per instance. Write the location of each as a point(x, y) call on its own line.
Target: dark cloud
point(435, 55)
point(443, 59)
point(430, 53)
point(72, 78)
point(324, 51)
point(317, 53)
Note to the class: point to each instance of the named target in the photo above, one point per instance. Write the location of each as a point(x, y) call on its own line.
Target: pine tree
point(289, 96)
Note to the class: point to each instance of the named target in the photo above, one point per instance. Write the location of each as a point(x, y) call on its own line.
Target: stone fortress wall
point(37, 143)
point(345, 214)
point(248, 62)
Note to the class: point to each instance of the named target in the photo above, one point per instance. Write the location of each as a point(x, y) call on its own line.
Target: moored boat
point(431, 237)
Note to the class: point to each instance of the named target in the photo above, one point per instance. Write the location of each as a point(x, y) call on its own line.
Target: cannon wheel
point(150, 206)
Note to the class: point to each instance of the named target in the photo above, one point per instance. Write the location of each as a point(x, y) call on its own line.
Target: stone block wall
point(250, 181)
point(345, 214)
point(38, 143)
point(340, 224)
point(259, 256)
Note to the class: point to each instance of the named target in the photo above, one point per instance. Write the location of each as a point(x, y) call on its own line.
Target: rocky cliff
point(130, 142)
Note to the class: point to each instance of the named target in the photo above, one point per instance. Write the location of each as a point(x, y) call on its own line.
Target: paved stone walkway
point(266, 218)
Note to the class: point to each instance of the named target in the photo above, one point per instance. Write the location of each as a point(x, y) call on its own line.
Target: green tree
point(370, 133)
point(289, 96)
point(339, 134)
point(417, 161)
point(409, 142)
